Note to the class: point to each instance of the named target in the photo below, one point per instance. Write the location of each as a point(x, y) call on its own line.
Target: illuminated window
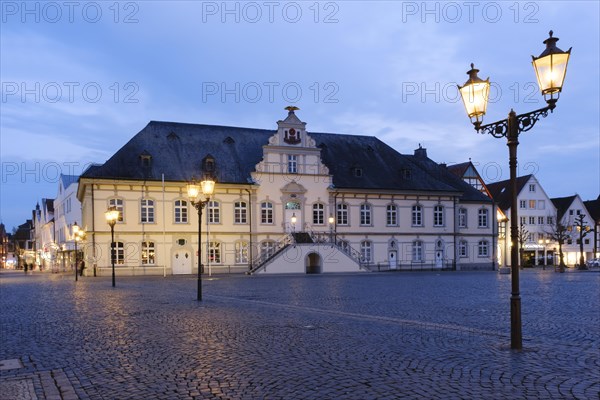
point(148, 253)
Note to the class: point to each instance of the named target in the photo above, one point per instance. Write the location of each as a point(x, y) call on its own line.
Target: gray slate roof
point(501, 192)
point(177, 151)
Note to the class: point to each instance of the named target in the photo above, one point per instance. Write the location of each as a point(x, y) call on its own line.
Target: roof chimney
point(421, 152)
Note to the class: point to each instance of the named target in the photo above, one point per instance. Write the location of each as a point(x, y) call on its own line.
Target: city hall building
point(285, 201)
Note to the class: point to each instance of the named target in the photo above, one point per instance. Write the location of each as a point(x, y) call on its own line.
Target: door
point(182, 262)
point(439, 258)
point(392, 259)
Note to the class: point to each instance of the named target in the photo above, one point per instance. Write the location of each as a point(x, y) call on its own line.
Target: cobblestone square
point(426, 335)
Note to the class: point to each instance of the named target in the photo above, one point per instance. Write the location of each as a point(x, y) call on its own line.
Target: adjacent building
point(537, 217)
point(573, 214)
point(67, 213)
point(286, 200)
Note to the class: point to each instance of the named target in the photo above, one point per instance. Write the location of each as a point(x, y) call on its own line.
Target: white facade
point(396, 229)
point(67, 212)
point(571, 248)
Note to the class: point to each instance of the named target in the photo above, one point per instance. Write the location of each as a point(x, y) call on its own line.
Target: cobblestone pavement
point(365, 336)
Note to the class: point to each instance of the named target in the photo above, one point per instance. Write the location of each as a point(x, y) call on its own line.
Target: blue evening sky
point(79, 79)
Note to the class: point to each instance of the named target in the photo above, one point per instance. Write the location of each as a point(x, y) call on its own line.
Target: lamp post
point(112, 215)
point(206, 188)
point(331, 221)
point(544, 242)
point(78, 234)
point(550, 68)
point(76, 237)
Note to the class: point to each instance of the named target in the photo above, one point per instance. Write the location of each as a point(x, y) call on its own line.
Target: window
point(549, 220)
point(417, 215)
point(570, 212)
point(578, 212)
point(586, 241)
point(118, 203)
point(240, 212)
point(540, 220)
point(266, 213)
point(482, 218)
point(532, 204)
point(392, 215)
point(532, 188)
point(181, 211)
point(523, 220)
point(523, 204)
point(214, 252)
point(214, 212)
point(417, 251)
point(438, 215)
point(148, 253)
point(569, 241)
point(267, 248)
point(463, 249)
point(292, 205)
point(541, 204)
point(292, 164)
point(241, 252)
point(344, 245)
point(366, 251)
point(147, 211)
point(119, 253)
point(365, 214)
point(531, 220)
point(462, 217)
point(318, 214)
point(483, 248)
point(342, 214)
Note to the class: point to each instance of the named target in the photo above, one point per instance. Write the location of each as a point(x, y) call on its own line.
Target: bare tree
point(522, 236)
point(583, 230)
point(559, 233)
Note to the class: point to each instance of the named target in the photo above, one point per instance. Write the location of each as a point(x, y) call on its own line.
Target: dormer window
point(358, 172)
point(406, 173)
point(145, 159)
point(208, 164)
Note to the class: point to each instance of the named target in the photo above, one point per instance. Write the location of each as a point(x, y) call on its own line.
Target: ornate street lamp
point(550, 68)
point(194, 190)
point(112, 216)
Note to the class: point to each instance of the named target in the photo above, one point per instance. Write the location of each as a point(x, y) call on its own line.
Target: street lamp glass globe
point(551, 68)
point(475, 94)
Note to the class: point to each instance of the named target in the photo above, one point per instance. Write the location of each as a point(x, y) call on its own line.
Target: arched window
point(267, 249)
point(392, 215)
point(438, 215)
point(118, 203)
point(462, 217)
point(483, 248)
point(214, 212)
point(365, 214)
point(482, 218)
point(463, 249)
point(181, 211)
point(240, 212)
point(318, 214)
point(342, 214)
point(146, 211)
point(366, 251)
point(266, 212)
point(417, 251)
point(417, 215)
point(241, 252)
point(148, 255)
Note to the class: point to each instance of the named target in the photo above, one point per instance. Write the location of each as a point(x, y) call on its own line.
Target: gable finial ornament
point(291, 109)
